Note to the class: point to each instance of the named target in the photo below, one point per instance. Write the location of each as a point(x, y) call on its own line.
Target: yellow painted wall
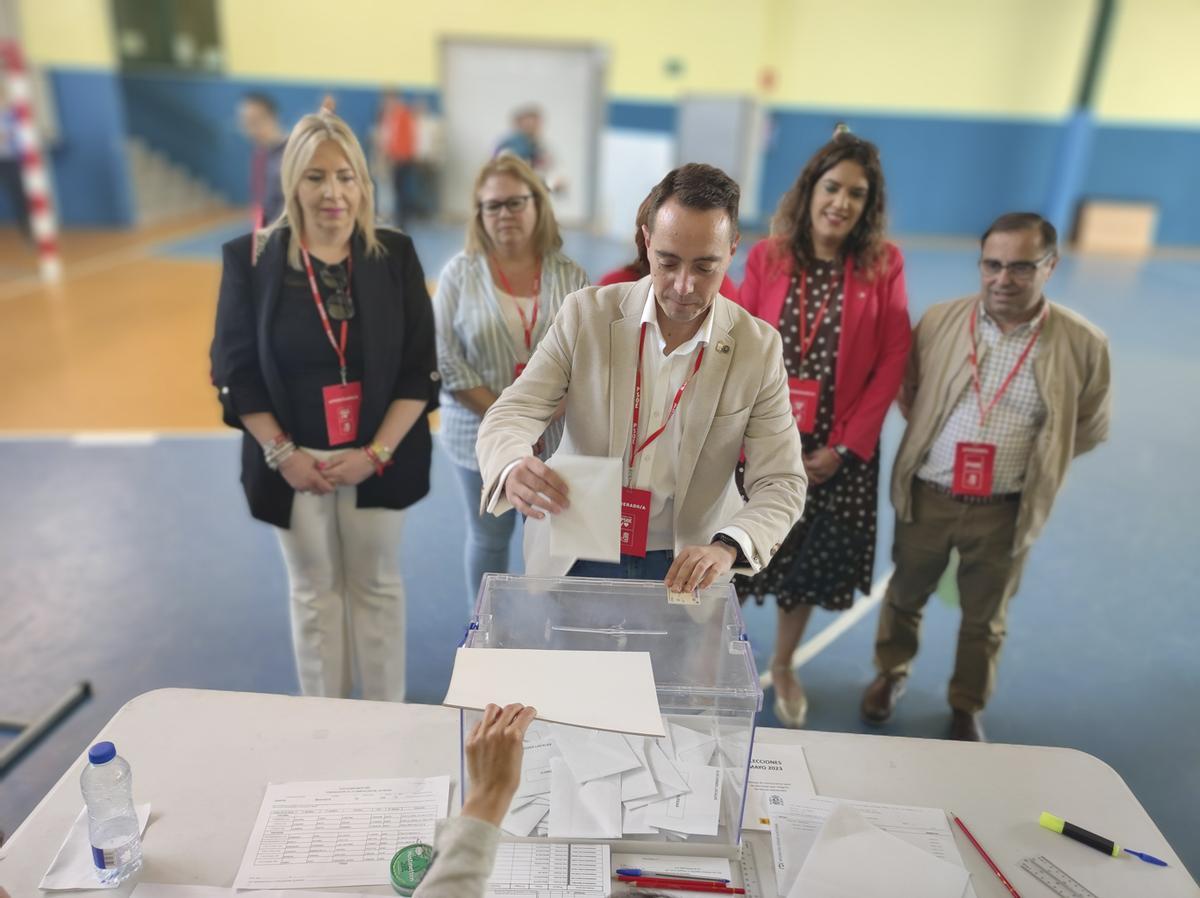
point(67, 32)
point(1152, 67)
point(1004, 57)
point(383, 41)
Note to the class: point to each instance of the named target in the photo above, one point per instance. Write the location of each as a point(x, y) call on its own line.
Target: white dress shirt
point(655, 466)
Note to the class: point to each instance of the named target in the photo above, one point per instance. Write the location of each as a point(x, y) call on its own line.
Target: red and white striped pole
point(34, 177)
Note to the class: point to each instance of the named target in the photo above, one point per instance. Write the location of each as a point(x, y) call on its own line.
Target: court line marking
point(809, 649)
point(73, 271)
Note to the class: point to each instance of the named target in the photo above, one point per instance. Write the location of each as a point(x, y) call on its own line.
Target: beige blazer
point(738, 398)
point(1071, 370)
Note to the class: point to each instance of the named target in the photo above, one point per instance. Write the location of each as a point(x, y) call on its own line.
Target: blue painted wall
point(945, 175)
point(91, 173)
point(194, 120)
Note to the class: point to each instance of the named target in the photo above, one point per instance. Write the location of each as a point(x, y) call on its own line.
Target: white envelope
point(591, 527)
point(691, 746)
point(524, 820)
point(852, 858)
point(588, 811)
point(594, 754)
point(638, 783)
point(696, 812)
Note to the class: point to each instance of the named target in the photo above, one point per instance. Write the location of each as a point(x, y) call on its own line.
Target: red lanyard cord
point(528, 325)
point(984, 411)
point(338, 346)
point(634, 448)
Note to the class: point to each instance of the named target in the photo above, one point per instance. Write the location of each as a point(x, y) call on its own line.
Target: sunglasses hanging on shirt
point(339, 304)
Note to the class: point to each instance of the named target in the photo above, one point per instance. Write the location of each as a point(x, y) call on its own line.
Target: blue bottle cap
point(102, 752)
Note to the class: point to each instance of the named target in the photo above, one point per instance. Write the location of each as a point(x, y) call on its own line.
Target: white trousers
point(347, 595)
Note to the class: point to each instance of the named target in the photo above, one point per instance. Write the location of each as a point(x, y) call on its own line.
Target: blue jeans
point(653, 567)
point(488, 536)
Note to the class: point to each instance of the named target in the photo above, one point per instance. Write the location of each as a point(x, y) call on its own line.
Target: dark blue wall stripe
point(945, 175)
point(91, 172)
point(642, 116)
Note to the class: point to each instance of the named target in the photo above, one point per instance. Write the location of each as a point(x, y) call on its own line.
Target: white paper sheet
point(583, 811)
point(666, 773)
point(696, 812)
point(600, 690)
point(591, 527)
point(633, 821)
point(156, 890)
point(594, 754)
point(794, 830)
point(715, 868)
point(852, 858)
point(525, 868)
point(779, 777)
point(338, 832)
point(72, 867)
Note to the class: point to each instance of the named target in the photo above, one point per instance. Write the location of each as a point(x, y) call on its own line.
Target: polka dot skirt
point(831, 551)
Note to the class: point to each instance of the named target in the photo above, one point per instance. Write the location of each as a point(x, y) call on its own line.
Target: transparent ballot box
point(688, 787)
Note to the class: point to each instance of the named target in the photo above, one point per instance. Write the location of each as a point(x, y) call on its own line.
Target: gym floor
point(131, 561)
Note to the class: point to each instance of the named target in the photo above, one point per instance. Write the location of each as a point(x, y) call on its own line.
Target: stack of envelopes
point(592, 784)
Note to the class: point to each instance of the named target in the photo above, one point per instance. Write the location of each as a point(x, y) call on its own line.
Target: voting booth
point(708, 694)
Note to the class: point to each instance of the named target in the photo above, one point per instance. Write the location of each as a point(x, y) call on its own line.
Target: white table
point(203, 759)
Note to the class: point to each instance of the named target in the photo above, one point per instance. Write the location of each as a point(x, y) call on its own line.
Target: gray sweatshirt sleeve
point(464, 851)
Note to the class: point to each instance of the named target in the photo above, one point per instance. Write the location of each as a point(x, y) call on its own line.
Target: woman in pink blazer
point(834, 287)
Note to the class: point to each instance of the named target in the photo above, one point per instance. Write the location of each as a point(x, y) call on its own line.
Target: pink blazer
point(873, 347)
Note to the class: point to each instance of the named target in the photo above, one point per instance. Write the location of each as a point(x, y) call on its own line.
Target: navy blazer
point(399, 362)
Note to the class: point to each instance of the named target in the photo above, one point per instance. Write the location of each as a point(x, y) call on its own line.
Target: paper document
point(779, 776)
point(852, 858)
point(338, 832)
point(155, 890)
point(524, 868)
point(73, 867)
point(591, 527)
point(600, 690)
point(794, 829)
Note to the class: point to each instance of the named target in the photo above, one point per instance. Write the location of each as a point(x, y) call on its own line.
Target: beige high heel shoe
point(793, 712)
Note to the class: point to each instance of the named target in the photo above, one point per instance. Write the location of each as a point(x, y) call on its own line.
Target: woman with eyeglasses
point(324, 355)
point(834, 287)
point(494, 302)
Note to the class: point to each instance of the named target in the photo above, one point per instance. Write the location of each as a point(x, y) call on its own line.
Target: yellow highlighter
point(1090, 839)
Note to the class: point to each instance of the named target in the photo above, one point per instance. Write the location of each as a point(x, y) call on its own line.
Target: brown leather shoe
point(879, 701)
point(966, 726)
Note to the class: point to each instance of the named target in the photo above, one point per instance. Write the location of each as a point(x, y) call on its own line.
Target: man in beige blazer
point(1003, 390)
point(712, 385)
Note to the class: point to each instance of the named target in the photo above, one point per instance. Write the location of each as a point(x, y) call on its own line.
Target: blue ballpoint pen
point(657, 874)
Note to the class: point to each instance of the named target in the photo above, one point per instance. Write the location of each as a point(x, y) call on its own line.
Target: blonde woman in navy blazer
point(334, 493)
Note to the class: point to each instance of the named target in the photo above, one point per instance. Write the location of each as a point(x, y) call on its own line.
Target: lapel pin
point(722, 347)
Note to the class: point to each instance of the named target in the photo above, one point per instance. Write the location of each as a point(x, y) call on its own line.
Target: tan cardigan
point(1072, 374)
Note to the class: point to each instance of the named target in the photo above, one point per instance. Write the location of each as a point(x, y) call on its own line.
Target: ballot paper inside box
point(687, 786)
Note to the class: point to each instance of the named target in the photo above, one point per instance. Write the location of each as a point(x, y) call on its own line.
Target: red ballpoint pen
point(684, 885)
point(1004, 879)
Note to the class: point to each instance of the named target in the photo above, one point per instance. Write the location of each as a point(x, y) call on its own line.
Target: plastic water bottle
point(107, 785)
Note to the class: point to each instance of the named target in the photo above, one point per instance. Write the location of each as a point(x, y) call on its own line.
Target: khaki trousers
point(988, 577)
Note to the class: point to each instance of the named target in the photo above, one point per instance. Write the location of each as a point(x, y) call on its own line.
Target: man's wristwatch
point(727, 540)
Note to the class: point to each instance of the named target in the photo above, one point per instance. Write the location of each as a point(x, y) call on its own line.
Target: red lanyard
point(985, 411)
point(339, 348)
point(258, 185)
point(537, 290)
point(634, 448)
point(806, 342)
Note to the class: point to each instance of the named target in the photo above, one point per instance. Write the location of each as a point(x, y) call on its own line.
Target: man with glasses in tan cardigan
point(1003, 390)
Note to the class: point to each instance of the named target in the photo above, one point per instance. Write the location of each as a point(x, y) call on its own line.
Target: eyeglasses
point(339, 304)
point(1021, 271)
point(513, 204)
